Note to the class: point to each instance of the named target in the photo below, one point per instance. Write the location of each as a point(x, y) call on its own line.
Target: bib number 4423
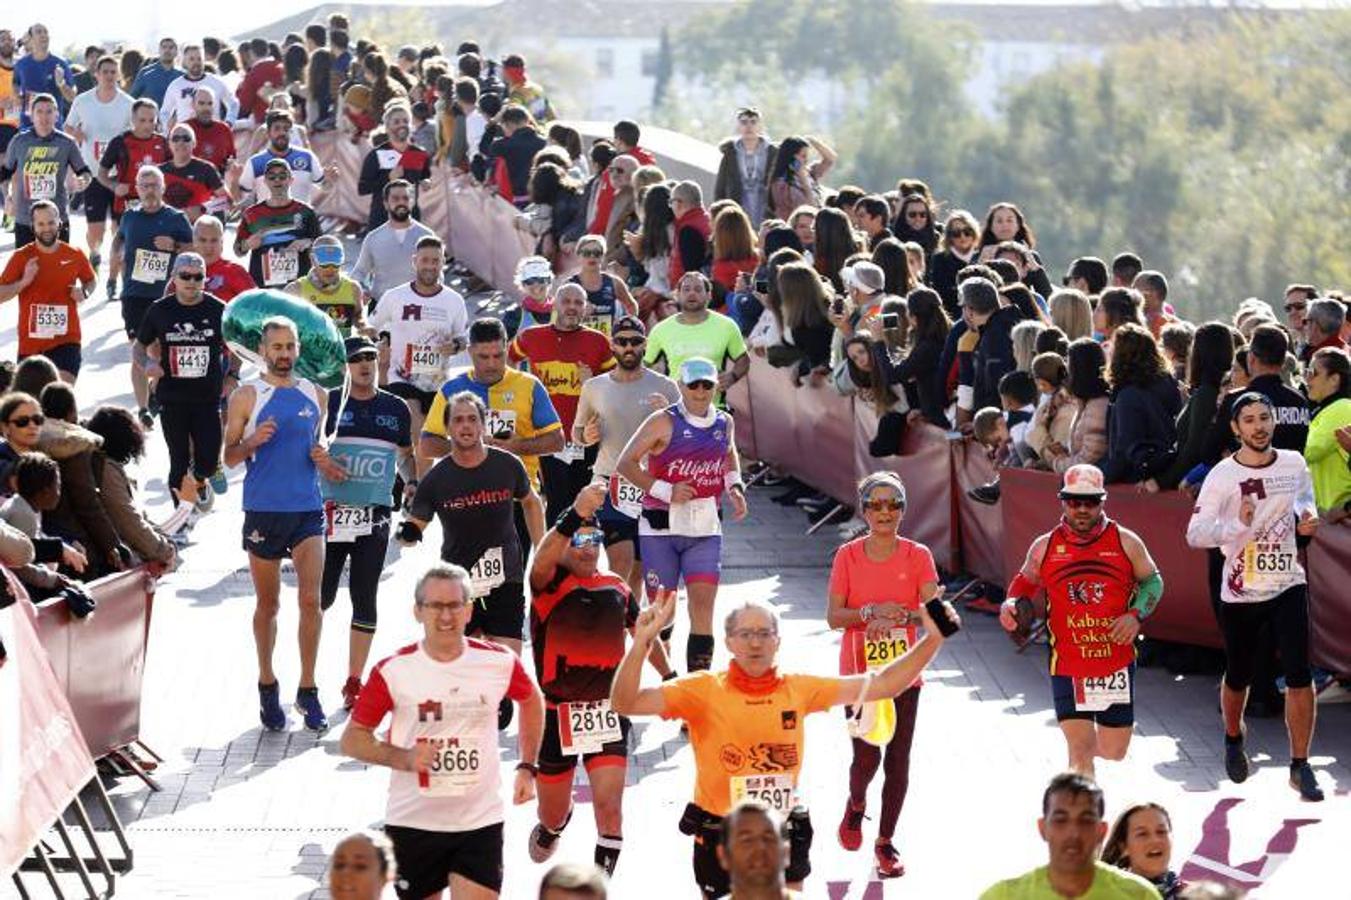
point(1097, 692)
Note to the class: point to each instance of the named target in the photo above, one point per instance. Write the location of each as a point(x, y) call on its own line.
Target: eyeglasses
point(24, 421)
point(584, 539)
point(190, 276)
point(1082, 502)
point(590, 254)
point(754, 634)
point(181, 139)
point(630, 342)
point(456, 606)
point(891, 504)
point(701, 385)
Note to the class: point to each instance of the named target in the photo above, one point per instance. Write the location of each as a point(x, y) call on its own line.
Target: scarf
point(755, 685)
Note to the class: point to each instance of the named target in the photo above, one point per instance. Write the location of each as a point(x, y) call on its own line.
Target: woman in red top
point(733, 249)
point(877, 582)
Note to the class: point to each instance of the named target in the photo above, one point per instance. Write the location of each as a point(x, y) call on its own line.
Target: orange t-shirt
point(739, 737)
point(861, 582)
point(48, 317)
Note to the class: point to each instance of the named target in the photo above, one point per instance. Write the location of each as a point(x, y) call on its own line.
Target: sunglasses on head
point(701, 385)
point(190, 276)
point(24, 421)
point(584, 539)
point(630, 342)
point(891, 504)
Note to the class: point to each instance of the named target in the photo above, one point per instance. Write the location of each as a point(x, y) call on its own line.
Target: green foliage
point(1222, 155)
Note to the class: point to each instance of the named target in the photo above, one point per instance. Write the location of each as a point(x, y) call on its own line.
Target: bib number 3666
point(453, 770)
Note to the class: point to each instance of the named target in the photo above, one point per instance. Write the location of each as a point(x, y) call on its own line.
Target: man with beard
point(275, 425)
point(397, 158)
point(1100, 584)
point(38, 160)
point(95, 119)
point(304, 165)
point(51, 279)
point(1255, 506)
point(386, 256)
point(277, 232)
point(610, 409)
point(698, 331)
point(1073, 828)
point(330, 290)
point(563, 355)
point(215, 140)
point(180, 97)
point(190, 184)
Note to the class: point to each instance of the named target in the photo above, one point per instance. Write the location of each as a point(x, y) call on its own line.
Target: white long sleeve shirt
point(182, 92)
point(1259, 559)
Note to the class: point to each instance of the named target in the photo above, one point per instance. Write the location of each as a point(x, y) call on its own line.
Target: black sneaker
point(1303, 779)
point(544, 841)
point(147, 419)
point(112, 289)
point(1236, 761)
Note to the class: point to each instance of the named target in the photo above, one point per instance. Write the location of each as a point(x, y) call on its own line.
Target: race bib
point(189, 361)
point(41, 186)
point(601, 323)
point(387, 158)
point(280, 266)
point(48, 320)
point(1096, 693)
point(1268, 565)
point(347, 523)
point(774, 791)
point(883, 652)
point(487, 573)
point(150, 266)
point(628, 497)
point(501, 422)
point(586, 726)
point(570, 453)
point(454, 770)
point(423, 361)
point(696, 518)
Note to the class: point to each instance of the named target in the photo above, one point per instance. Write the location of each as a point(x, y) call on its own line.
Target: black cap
point(628, 323)
point(1248, 398)
point(358, 345)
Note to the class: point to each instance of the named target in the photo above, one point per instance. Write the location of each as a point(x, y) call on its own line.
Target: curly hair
point(123, 437)
point(1136, 358)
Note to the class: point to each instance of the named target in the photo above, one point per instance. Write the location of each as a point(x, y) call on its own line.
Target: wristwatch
point(528, 767)
point(867, 613)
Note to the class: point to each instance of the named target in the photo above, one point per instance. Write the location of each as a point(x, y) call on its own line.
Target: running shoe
point(269, 707)
point(851, 826)
point(544, 841)
point(1303, 779)
point(307, 704)
point(219, 483)
point(350, 689)
point(112, 289)
point(206, 498)
point(95, 261)
point(889, 863)
point(1236, 761)
point(147, 420)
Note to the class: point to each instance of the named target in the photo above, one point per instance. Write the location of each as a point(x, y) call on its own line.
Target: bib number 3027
point(774, 791)
point(587, 726)
point(1096, 693)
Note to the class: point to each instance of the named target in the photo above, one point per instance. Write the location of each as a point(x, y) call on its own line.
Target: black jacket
point(518, 151)
point(1292, 419)
point(942, 277)
point(993, 358)
point(919, 369)
point(1141, 430)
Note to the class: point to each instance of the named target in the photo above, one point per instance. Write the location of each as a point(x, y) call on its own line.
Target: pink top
point(861, 581)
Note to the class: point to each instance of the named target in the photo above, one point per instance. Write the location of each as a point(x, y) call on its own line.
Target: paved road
point(249, 814)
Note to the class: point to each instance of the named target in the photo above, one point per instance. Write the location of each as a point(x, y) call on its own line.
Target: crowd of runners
point(578, 461)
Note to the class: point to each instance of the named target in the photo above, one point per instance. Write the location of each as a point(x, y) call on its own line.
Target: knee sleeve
point(699, 652)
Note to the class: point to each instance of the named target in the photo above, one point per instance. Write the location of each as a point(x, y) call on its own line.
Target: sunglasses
point(961, 232)
point(25, 421)
point(181, 139)
point(1292, 307)
point(529, 281)
point(590, 254)
point(630, 342)
point(190, 276)
point(583, 539)
point(1082, 502)
point(277, 176)
point(916, 214)
point(701, 385)
point(890, 504)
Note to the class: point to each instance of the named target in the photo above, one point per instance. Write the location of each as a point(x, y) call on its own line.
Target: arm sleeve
point(111, 153)
point(13, 268)
point(522, 486)
point(1322, 437)
point(362, 270)
point(818, 694)
point(839, 574)
point(684, 698)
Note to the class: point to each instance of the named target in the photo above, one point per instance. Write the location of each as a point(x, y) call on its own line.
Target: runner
point(190, 184)
point(277, 232)
point(698, 331)
point(180, 97)
point(397, 159)
point(427, 324)
point(373, 440)
point(579, 614)
point(563, 355)
point(877, 584)
point(753, 847)
point(42, 157)
point(119, 166)
point(747, 724)
point(607, 296)
point(225, 278)
point(1100, 584)
point(308, 171)
point(684, 459)
point(10, 104)
point(472, 491)
point(1255, 506)
point(445, 809)
point(148, 237)
point(215, 140)
point(387, 252)
point(187, 372)
point(327, 288)
point(97, 117)
point(610, 409)
point(274, 425)
point(533, 276)
point(51, 279)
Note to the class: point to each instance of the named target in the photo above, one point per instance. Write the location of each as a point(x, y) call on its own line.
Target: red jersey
point(227, 279)
point(48, 315)
point(577, 629)
point(1089, 584)
point(126, 154)
point(554, 357)
point(215, 142)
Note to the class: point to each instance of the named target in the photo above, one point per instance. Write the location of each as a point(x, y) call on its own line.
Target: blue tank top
point(281, 477)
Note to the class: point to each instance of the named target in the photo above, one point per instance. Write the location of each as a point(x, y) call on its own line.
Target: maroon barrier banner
point(738, 400)
point(925, 467)
point(1329, 568)
point(808, 431)
point(99, 661)
point(43, 758)
point(981, 533)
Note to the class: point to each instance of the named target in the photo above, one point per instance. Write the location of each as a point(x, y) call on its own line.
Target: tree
point(665, 66)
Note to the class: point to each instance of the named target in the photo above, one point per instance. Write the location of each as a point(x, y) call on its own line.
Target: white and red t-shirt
point(417, 324)
point(453, 704)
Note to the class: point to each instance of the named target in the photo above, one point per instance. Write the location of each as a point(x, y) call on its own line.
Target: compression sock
point(607, 852)
point(699, 652)
point(1298, 762)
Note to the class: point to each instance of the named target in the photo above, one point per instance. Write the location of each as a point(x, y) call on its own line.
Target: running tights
point(895, 767)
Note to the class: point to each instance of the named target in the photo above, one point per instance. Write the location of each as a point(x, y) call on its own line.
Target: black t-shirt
point(191, 185)
point(191, 346)
point(1291, 412)
point(476, 508)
